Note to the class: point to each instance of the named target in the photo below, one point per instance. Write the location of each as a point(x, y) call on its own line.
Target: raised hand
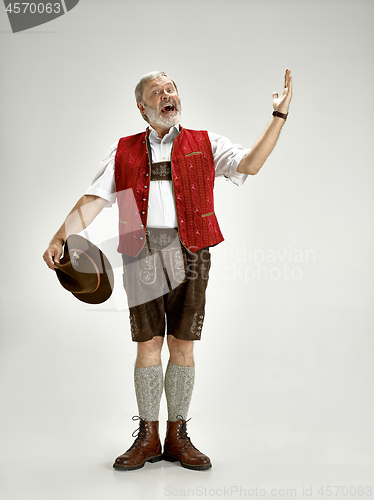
point(282, 103)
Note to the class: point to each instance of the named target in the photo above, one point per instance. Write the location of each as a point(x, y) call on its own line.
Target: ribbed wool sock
point(179, 382)
point(149, 384)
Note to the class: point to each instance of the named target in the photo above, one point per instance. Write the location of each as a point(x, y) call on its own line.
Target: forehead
point(158, 82)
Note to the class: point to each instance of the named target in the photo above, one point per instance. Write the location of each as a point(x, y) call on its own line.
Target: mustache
point(170, 101)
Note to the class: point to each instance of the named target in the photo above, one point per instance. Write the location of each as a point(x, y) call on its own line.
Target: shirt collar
point(172, 132)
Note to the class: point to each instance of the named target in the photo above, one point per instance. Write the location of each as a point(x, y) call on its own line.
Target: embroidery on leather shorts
point(134, 326)
point(160, 239)
point(197, 324)
point(194, 323)
point(165, 239)
point(148, 268)
point(178, 265)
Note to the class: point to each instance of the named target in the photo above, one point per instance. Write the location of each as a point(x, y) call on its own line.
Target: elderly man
point(163, 182)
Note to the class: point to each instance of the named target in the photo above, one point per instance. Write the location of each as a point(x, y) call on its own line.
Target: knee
point(180, 347)
point(150, 347)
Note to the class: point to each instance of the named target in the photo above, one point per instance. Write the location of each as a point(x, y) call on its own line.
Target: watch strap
point(280, 115)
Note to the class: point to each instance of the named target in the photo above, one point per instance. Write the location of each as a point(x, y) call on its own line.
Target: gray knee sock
point(179, 381)
point(149, 382)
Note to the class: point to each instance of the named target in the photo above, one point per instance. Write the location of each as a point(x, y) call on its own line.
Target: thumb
point(275, 95)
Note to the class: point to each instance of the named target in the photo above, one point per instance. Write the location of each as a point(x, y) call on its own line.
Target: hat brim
point(105, 288)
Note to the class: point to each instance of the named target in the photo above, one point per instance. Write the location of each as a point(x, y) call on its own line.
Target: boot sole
point(170, 458)
point(152, 460)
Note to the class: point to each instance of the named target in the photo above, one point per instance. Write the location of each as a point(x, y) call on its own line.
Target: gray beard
point(159, 119)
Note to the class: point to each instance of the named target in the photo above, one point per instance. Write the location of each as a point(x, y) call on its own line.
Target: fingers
point(50, 256)
point(282, 103)
point(290, 82)
point(287, 90)
point(287, 84)
point(288, 79)
point(56, 257)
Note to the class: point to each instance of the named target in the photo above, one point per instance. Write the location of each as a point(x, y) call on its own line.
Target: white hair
point(144, 79)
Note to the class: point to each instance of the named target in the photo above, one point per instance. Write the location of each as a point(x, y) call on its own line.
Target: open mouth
point(169, 108)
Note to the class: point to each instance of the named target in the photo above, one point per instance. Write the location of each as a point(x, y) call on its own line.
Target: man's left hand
point(282, 103)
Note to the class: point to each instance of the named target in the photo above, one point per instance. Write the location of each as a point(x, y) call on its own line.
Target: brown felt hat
point(85, 271)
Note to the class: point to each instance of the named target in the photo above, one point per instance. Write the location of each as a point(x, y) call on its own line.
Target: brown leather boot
point(145, 448)
point(178, 447)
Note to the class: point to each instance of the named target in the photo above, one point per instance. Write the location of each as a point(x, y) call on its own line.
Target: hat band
point(93, 263)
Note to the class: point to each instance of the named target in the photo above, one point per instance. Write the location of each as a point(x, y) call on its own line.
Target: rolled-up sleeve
point(104, 184)
point(227, 157)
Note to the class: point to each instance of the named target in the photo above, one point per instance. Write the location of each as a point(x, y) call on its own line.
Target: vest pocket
point(194, 153)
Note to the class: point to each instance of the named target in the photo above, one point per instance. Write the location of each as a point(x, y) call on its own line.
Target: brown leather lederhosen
point(166, 280)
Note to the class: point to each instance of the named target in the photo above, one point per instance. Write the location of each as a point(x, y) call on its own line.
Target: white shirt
point(161, 203)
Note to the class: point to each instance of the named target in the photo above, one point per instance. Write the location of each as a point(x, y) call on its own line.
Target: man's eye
point(170, 90)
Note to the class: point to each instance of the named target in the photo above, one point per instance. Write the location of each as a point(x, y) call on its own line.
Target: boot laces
point(183, 437)
point(141, 431)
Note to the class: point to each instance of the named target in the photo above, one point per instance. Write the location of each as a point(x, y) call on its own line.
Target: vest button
point(141, 238)
point(144, 199)
point(145, 187)
point(147, 175)
point(141, 225)
point(143, 213)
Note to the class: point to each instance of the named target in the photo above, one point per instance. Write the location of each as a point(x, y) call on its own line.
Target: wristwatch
point(281, 115)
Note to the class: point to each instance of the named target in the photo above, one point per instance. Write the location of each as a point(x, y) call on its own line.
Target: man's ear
point(141, 107)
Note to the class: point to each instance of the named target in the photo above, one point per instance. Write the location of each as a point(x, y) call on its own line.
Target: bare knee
point(181, 351)
point(149, 352)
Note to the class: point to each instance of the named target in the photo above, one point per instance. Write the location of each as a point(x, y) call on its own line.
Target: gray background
point(284, 378)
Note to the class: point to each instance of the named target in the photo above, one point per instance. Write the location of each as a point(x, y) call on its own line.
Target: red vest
point(193, 176)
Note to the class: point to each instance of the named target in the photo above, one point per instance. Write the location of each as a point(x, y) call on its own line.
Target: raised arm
point(254, 160)
point(83, 213)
